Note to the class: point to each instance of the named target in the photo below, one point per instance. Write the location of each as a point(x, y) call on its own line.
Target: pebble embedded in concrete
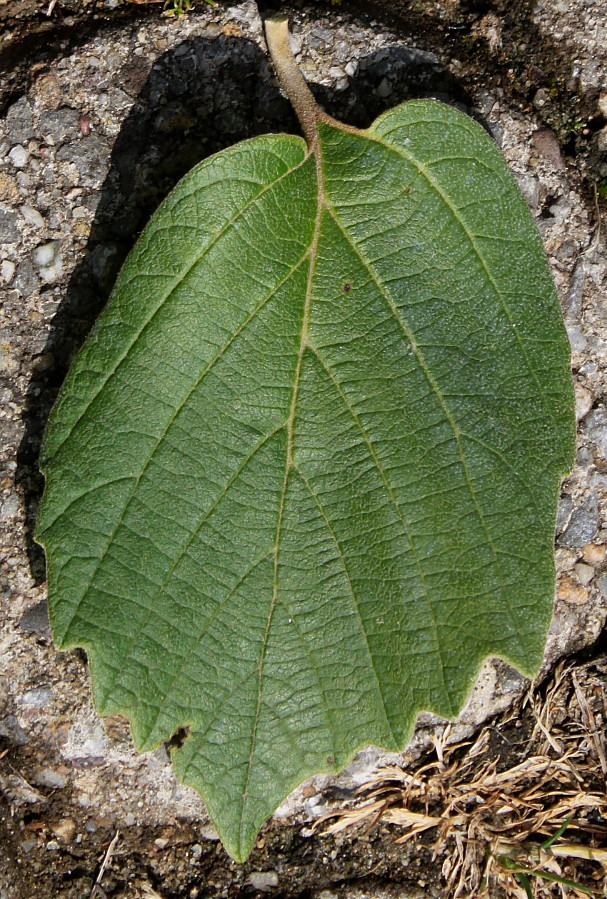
point(32, 216)
point(583, 523)
point(584, 573)
point(577, 338)
point(39, 697)
point(583, 401)
point(571, 591)
point(596, 428)
point(19, 156)
point(26, 281)
point(20, 122)
point(529, 186)
point(9, 226)
point(10, 507)
point(60, 124)
point(48, 777)
point(47, 260)
point(7, 270)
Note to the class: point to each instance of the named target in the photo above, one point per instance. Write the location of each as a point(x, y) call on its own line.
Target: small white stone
point(583, 401)
point(19, 156)
point(37, 698)
point(295, 43)
point(48, 261)
point(7, 270)
point(52, 273)
point(577, 340)
point(47, 777)
point(9, 507)
point(45, 254)
point(584, 573)
point(263, 880)
point(32, 217)
point(352, 68)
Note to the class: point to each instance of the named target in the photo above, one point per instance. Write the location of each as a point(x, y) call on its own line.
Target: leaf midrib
point(290, 424)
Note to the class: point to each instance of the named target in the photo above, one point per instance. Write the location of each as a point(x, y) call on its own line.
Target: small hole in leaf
point(178, 738)
point(347, 287)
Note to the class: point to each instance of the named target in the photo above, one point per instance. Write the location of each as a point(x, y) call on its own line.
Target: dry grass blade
point(499, 819)
point(349, 817)
point(97, 892)
point(587, 852)
point(413, 821)
point(596, 736)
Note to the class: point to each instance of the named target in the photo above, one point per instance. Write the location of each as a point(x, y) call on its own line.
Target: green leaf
point(302, 477)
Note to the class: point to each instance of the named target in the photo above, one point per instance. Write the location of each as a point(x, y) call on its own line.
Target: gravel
point(583, 523)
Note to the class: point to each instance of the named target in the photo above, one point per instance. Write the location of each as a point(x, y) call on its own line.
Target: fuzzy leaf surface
point(302, 477)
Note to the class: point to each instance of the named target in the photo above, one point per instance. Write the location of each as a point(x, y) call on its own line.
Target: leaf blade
point(327, 470)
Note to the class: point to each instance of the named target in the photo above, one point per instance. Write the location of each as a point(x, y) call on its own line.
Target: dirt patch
point(466, 819)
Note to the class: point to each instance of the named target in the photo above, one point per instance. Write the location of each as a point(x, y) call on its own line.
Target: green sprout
point(181, 7)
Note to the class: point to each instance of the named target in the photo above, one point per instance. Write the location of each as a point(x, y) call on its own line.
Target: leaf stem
point(292, 81)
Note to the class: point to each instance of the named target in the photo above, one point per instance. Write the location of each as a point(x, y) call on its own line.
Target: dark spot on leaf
point(347, 287)
point(178, 738)
point(330, 760)
point(408, 190)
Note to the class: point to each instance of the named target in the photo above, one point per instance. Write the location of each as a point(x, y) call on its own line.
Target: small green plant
point(528, 862)
point(302, 478)
point(181, 7)
point(576, 125)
